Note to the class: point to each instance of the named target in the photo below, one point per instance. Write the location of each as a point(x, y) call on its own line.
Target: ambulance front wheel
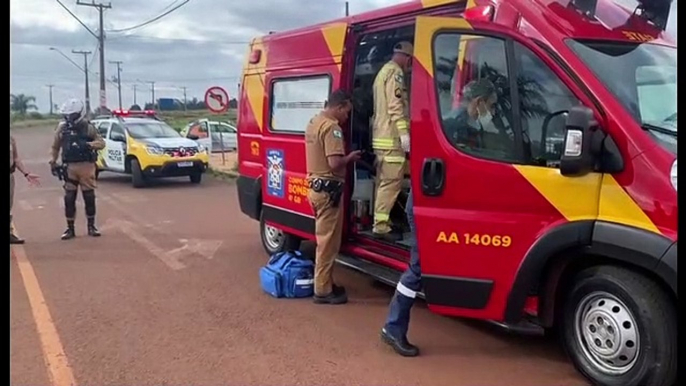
point(275, 240)
point(619, 328)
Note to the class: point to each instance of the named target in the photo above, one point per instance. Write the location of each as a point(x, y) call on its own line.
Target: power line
point(77, 18)
point(154, 19)
point(101, 40)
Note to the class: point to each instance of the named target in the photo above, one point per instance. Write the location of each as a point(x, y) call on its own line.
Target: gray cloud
point(201, 44)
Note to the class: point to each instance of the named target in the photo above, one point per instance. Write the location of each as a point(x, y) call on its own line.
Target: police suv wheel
point(275, 240)
point(137, 177)
point(619, 328)
point(196, 177)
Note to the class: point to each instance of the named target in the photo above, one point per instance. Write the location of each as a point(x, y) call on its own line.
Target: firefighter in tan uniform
point(78, 141)
point(390, 136)
point(16, 164)
point(326, 168)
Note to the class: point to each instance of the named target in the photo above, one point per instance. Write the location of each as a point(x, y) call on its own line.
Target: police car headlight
point(672, 174)
point(154, 150)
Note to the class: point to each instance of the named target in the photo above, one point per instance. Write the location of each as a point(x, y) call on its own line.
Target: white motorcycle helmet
point(73, 110)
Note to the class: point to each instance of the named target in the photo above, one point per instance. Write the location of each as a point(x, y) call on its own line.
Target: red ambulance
point(562, 218)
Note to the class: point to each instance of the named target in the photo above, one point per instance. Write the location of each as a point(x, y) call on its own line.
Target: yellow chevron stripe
point(334, 35)
point(425, 30)
point(593, 196)
point(253, 82)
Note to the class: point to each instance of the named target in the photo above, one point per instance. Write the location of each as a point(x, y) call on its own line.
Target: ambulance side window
point(543, 100)
point(468, 68)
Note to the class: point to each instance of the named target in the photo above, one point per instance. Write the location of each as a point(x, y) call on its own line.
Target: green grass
point(179, 119)
point(176, 119)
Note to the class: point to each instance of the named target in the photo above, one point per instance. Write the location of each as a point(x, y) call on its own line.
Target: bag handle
point(291, 256)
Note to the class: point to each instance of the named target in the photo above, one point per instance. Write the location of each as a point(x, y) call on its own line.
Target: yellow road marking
point(58, 366)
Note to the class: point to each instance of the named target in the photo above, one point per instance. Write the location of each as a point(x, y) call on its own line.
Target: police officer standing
point(326, 169)
point(16, 164)
point(390, 136)
point(79, 142)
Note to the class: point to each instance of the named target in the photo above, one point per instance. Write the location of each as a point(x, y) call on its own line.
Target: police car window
point(102, 128)
point(117, 131)
point(142, 130)
point(543, 99)
point(471, 75)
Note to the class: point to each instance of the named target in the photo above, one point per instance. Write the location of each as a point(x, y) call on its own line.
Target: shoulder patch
point(337, 134)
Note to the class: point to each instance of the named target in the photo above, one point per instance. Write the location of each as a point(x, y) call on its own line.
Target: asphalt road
point(169, 295)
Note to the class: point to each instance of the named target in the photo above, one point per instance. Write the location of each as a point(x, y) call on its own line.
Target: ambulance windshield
point(643, 78)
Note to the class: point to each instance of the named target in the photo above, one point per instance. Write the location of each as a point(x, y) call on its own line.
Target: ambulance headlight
point(154, 150)
point(672, 174)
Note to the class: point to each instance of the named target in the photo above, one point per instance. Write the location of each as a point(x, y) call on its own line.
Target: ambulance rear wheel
point(619, 328)
point(275, 240)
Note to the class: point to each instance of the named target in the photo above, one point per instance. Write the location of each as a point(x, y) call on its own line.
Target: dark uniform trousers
point(328, 231)
point(80, 174)
point(398, 320)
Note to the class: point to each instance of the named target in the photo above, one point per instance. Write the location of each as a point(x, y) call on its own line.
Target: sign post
point(217, 99)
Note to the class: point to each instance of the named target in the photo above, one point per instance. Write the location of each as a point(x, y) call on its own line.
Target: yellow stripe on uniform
point(590, 197)
point(334, 34)
point(394, 159)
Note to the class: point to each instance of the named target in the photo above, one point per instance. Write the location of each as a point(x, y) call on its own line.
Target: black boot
point(92, 230)
point(69, 233)
point(399, 345)
point(15, 240)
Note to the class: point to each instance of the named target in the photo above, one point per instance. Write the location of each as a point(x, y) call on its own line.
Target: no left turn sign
point(217, 99)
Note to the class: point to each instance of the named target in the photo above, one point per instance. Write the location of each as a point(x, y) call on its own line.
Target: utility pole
point(152, 88)
point(134, 94)
point(118, 63)
point(347, 8)
point(185, 100)
point(85, 70)
point(50, 86)
point(101, 39)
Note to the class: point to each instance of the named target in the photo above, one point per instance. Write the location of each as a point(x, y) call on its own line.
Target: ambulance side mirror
point(577, 157)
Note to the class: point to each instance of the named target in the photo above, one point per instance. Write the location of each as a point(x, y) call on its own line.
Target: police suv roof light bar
point(127, 113)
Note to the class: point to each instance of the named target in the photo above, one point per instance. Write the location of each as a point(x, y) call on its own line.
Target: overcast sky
point(201, 44)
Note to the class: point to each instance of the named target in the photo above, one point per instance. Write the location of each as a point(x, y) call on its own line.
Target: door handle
point(433, 176)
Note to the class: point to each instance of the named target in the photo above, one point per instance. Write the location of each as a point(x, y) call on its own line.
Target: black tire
point(272, 245)
point(137, 177)
point(654, 316)
point(196, 177)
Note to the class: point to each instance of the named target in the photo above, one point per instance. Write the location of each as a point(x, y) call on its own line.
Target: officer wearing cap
point(16, 164)
point(79, 141)
point(326, 168)
point(390, 136)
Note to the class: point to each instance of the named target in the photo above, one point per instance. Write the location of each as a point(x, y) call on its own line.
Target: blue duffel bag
point(288, 275)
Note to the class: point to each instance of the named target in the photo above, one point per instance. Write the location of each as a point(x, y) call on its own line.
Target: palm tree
point(21, 103)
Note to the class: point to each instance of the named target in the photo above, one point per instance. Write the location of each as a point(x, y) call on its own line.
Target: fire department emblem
point(275, 170)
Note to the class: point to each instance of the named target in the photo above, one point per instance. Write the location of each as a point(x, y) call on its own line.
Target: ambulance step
point(379, 272)
point(391, 277)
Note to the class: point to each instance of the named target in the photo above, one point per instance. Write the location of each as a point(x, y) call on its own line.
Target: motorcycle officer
point(79, 142)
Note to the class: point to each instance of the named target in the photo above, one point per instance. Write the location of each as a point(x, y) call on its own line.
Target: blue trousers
point(398, 320)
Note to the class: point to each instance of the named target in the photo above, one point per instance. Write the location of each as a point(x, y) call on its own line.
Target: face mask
point(485, 118)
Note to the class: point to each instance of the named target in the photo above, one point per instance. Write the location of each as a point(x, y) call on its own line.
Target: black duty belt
point(325, 185)
point(333, 188)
